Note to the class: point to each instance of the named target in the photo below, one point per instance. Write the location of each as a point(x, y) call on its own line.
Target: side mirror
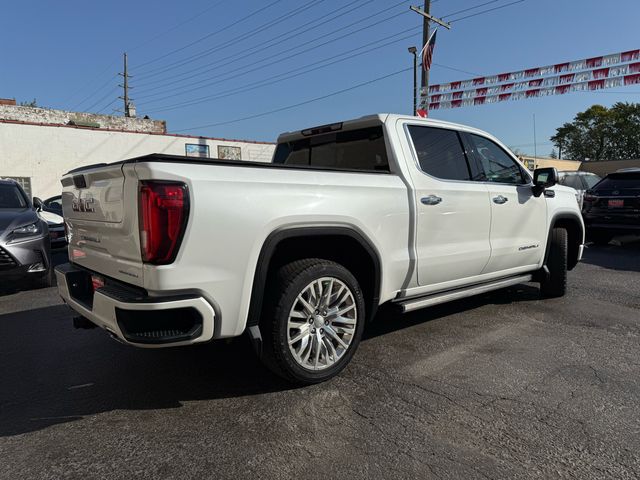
point(544, 178)
point(37, 203)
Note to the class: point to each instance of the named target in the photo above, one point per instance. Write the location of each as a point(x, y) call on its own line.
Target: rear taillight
point(164, 209)
point(590, 197)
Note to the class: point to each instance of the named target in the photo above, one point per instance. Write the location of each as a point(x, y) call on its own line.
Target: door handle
point(431, 200)
point(500, 199)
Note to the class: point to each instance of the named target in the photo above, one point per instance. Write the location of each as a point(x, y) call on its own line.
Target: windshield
point(11, 197)
point(591, 180)
point(620, 181)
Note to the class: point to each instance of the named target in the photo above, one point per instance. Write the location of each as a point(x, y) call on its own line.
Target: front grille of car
point(6, 260)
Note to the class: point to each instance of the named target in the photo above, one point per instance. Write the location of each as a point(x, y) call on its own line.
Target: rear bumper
point(132, 316)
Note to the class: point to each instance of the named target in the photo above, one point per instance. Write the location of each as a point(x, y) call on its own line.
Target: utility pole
point(535, 144)
point(414, 52)
point(129, 109)
point(427, 18)
point(425, 39)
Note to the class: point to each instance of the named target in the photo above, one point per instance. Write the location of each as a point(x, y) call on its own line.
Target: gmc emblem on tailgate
point(82, 205)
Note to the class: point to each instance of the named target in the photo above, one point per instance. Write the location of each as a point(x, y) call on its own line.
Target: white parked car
point(299, 253)
point(57, 235)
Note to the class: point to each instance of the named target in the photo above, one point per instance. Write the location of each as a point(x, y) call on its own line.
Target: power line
point(176, 26)
point(231, 25)
point(291, 73)
point(487, 11)
point(77, 92)
point(287, 55)
point(306, 102)
point(234, 40)
point(470, 8)
point(199, 82)
point(457, 69)
point(104, 85)
point(182, 91)
point(108, 105)
point(111, 92)
point(217, 63)
point(263, 46)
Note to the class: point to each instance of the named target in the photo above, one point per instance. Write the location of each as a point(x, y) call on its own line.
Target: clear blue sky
point(65, 54)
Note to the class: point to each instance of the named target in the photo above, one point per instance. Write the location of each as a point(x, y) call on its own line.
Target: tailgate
point(100, 207)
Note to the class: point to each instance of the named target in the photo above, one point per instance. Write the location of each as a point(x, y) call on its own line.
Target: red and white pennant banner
point(632, 79)
point(578, 65)
point(568, 78)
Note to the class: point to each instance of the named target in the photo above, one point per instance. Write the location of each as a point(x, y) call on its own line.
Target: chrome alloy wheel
point(322, 323)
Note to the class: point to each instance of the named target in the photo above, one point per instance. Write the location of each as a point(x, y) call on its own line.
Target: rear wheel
point(315, 320)
point(555, 285)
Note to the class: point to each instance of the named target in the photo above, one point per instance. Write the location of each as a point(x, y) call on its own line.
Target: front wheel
point(314, 322)
point(555, 285)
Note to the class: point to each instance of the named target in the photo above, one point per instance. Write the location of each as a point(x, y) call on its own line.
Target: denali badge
point(82, 205)
point(528, 247)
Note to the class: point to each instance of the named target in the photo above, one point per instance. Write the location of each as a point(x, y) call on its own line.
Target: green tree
point(601, 133)
point(553, 154)
point(32, 103)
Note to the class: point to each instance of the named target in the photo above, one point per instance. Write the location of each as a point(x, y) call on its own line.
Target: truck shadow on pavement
point(625, 257)
point(53, 374)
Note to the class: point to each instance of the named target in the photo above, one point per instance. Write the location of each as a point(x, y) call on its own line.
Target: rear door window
point(363, 149)
point(440, 152)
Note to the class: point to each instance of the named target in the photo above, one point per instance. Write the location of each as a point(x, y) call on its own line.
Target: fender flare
point(269, 247)
point(554, 219)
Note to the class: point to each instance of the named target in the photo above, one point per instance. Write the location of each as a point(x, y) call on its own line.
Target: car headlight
point(26, 231)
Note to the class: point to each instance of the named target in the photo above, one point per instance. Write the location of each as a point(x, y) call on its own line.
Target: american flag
point(427, 51)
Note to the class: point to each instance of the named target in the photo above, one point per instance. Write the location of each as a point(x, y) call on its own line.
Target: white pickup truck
point(300, 252)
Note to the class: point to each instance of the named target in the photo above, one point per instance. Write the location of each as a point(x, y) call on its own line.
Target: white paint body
point(465, 240)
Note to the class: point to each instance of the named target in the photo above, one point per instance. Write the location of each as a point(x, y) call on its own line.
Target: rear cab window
point(440, 153)
point(360, 150)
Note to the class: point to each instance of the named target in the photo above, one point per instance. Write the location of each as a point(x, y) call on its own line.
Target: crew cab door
point(518, 218)
point(453, 213)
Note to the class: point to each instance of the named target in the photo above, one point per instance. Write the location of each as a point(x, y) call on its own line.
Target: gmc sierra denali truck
point(168, 251)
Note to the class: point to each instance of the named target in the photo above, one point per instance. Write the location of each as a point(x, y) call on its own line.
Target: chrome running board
point(443, 297)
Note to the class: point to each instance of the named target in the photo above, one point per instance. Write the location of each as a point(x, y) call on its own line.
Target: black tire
point(601, 238)
point(283, 290)
point(556, 284)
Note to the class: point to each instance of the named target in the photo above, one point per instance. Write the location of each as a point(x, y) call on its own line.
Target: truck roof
point(370, 121)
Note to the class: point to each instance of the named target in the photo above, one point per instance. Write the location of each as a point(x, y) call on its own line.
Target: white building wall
point(45, 153)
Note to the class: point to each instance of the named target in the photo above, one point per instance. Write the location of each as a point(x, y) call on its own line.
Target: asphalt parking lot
point(500, 386)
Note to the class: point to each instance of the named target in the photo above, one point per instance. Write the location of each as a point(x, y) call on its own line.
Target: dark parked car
point(25, 250)
point(612, 206)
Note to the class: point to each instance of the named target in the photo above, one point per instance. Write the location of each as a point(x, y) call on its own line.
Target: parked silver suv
point(24, 239)
point(580, 181)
